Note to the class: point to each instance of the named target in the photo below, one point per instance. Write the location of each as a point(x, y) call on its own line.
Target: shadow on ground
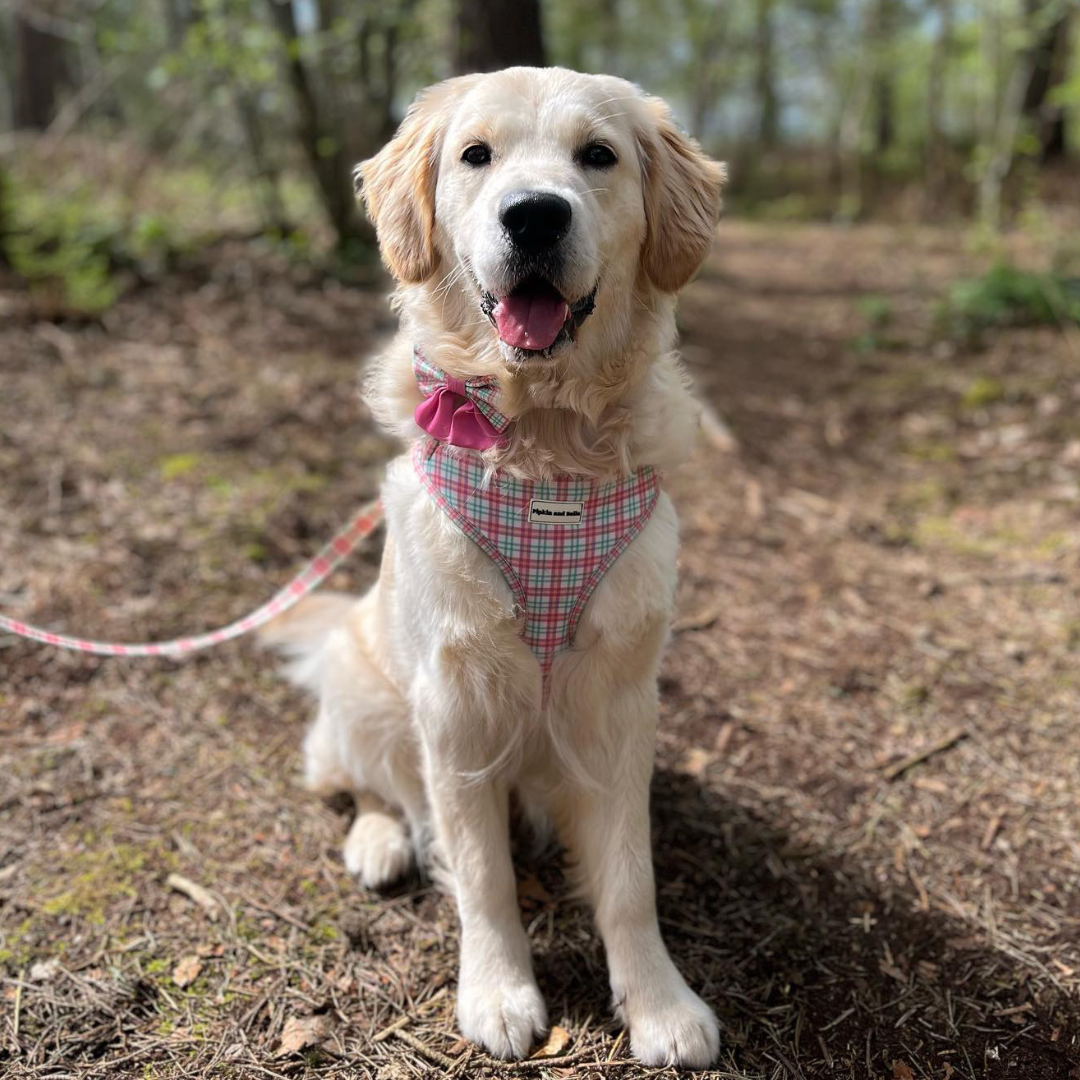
point(815, 971)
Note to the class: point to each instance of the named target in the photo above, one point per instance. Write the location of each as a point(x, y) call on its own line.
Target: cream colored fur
point(429, 702)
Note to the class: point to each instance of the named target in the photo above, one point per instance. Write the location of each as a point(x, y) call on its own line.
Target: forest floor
point(885, 567)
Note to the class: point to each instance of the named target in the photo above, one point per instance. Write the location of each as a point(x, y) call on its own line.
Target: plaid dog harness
point(554, 539)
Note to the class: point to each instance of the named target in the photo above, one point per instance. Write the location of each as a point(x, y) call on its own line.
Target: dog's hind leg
point(378, 850)
point(361, 741)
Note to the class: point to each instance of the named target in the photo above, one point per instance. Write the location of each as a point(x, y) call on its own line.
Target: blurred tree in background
point(135, 128)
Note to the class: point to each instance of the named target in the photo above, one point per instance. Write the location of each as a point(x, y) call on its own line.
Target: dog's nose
point(534, 220)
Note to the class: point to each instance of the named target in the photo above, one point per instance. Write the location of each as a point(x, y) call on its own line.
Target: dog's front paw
point(503, 1019)
point(378, 851)
point(671, 1026)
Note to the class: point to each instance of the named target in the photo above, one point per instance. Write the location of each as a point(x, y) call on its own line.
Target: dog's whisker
point(617, 97)
point(449, 280)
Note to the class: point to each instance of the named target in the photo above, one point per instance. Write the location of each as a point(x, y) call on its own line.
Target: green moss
point(924, 495)
point(256, 552)
point(915, 695)
point(943, 532)
point(177, 465)
point(246, 930)
point(324, 931)
point(1053, 543)
point(983, 391)
point(103, 874)
point(929, 450)
point(16, 945)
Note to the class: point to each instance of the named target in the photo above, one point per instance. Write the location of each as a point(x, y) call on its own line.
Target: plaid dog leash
point(345, 541)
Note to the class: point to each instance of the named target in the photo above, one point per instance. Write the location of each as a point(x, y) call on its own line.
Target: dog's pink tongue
point(531, 320)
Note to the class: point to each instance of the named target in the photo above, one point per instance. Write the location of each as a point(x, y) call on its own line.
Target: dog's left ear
point(398, 185)
point(682, 199)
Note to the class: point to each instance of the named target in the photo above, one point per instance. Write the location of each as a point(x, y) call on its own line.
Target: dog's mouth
point(535, 317)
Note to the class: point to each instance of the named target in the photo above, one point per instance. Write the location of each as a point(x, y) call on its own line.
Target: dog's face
point(545, 196)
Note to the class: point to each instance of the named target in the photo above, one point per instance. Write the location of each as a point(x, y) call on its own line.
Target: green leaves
point(1010, 296)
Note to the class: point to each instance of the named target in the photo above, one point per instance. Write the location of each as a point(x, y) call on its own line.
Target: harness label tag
point(555, 513)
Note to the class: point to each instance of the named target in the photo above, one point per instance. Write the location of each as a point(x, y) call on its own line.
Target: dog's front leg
point(499, 1004)
point(608, 832)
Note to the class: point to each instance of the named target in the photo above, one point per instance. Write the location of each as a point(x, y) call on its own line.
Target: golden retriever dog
point(538, 223)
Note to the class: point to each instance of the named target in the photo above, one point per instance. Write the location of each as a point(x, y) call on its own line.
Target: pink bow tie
point(461, 413)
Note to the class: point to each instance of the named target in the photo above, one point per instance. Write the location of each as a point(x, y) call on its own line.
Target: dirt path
point(888, 562)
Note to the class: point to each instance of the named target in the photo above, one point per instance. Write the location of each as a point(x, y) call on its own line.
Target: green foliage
point(1009, 296)
point(878, 313)
point(57, 249)
point(74, 251)
point(876, 310)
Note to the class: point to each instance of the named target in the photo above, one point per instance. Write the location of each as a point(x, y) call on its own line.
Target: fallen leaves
point(187, 970)
point(44, 970)
point(299, 1033)
point(557, 1041)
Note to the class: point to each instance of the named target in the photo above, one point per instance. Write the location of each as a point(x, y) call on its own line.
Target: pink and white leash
point(314, 574)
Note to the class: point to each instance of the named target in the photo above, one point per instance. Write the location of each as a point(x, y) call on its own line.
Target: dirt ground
point(884, 568)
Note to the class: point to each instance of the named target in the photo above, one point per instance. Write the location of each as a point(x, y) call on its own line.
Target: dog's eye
point(477, 154)
point(597, 156)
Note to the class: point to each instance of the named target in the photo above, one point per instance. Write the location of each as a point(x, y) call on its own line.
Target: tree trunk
point(999, 136)
point(323, 145)
point(267, 174)
point(765, 75)
point(493, 34)
point(377, 81)
point(1049, 69)
point(936, 147)
point(884, 128)
point(884, 76)
point(851, 123)
point(4, 223)
point(177, 20)
point(43, 72)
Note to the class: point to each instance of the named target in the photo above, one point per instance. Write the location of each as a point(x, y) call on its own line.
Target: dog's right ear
point(398, 185)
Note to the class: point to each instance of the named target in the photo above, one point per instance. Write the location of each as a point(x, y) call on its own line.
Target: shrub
point(77, 254)
point(1009, 296)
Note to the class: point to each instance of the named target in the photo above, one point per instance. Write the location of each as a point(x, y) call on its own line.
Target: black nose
point(534, 220)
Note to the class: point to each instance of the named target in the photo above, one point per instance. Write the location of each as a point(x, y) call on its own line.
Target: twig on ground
point(392, 1029)
point(203, 897)
point(946, 742)
point(582, 1057)
point(429, 1052)
point(278, 913)
point(18, 1006)
point(993, 827)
